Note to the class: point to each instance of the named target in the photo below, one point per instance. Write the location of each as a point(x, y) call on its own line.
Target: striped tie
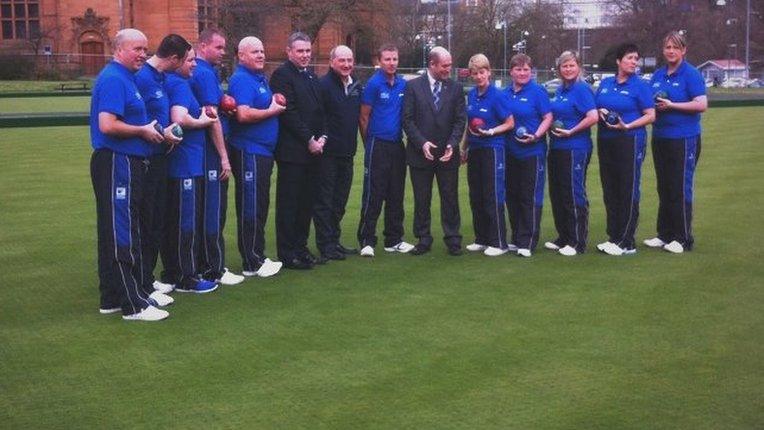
point(436, 94)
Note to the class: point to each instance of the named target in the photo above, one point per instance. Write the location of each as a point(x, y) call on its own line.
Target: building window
point(20, 19)
point(208, 13)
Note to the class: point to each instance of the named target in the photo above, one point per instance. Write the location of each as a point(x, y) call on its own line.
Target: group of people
point(165, 145)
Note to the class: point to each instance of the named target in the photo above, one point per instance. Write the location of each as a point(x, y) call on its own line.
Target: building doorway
point(93, 58)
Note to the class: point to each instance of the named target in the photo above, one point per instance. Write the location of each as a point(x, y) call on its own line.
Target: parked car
point(552, 85)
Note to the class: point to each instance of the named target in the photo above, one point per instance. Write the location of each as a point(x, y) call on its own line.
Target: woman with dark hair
point(626, 106)
point(574, 112)
point(526, 155)
point(680, 95)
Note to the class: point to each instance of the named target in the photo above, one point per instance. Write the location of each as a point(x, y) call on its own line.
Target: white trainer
point(655, 242)
point(230, 278)
point(551, 245)
point(567, 251)
point(493, 251)
point(367, 251)
point(162, 300)
point(149, 314)
point(610, 248)
point(108, 311)
point(674, 247)
point(269, 268)
point(475, 247)
point(402, 247)
point(524, 252)
point(163, 288)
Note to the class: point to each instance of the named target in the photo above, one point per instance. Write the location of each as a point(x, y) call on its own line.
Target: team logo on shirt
point(138, 95)
point(624, 92)
point(523, 99)
point(120, 193)
point(604, 90)
point(262, 90)
point(384, 96)
point(248, 176)
point(656, 84)
point(159, 94)
point(188, 184)
point(483, 110)
point(675, 84)
point(400, 95)
point(212, 175)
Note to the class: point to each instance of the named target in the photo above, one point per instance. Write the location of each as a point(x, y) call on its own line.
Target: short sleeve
point(112, 97)
point(241, 91)
point(180, 94)
point(205, 87)
point(543, 106)
point(501, 106)
point(644, 97)
point(585, 99)
point(369, 93)
point(696, 86)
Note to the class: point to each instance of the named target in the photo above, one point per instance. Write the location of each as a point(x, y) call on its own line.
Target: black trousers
point(118, 182)
point(182, 241)
point(567, 191)
point(384, 182)
point(153, 216)
point(252, 174)
point(296, 188)
point(675, 162)
point(620, 173)
point(525, 198)
point(448, 188)
point(215, 205)
point(485, 177)
point(336, 176)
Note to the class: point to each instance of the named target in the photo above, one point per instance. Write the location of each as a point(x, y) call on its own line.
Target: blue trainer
point(200, 287)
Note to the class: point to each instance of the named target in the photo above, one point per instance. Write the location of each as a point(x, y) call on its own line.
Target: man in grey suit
point(433, 119)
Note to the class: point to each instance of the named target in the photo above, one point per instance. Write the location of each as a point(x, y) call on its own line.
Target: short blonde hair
point(677, 38)
point(477, 62)
point(567, 56)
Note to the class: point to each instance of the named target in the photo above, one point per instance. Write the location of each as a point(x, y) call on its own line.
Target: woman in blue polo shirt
point(526, 155)
point(488, 117)
point(575, 112)
point(680, 95)
point(184, 192)
point(625, 106)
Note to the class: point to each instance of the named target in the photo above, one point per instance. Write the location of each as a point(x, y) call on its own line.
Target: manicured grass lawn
point(44, 104)
point(24, 86)
point(646, 341)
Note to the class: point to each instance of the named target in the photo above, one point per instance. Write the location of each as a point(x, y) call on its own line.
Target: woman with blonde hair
point(570, 149)
point(488, 116)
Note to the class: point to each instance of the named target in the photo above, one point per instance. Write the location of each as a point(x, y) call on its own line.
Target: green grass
point(592, 342)
point(26, 86)
point(44, 104)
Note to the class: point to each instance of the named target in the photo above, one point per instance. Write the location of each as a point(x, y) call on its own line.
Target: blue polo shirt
point(251, 88)
point(150, 82)
point(386, 103)
point(207, 88)
point(185, 161)
point(628, 99)
point(493, 108)
point(529, 105)
point(683, 85)
point(115, 92)
point(570, 105)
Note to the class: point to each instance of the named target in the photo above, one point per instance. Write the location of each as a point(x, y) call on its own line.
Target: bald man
point(341, 94)
point(434, 118)
point(123, 139)
point(252, 142)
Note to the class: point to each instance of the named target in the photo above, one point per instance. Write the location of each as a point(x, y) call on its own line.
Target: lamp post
point(503, 25)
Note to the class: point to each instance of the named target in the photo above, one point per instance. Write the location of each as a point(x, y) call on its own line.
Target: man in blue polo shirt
point(122, 138)
point(384, 159)
point(150, 80)
point(253, 140)
point(207, 90)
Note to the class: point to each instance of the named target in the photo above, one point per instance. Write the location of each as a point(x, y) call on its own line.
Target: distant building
point(723, 69)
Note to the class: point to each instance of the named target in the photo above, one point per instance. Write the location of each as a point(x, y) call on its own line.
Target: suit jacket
point(304, 114)
point(422, 122)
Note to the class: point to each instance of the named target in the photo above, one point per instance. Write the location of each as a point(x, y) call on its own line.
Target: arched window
point(19, 19)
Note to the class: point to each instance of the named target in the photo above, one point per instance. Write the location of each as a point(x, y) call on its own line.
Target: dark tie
point(436, 94)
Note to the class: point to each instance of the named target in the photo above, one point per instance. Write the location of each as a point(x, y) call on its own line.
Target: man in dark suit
point(301, 140)
point(433, 119)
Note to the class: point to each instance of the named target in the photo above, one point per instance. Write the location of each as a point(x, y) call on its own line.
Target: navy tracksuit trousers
point(182, 241)
point(486, 180)
point(525, 198)
point(567, 192)
point(214, 206)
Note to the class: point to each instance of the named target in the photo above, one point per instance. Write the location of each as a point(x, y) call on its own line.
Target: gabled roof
point(725, 64)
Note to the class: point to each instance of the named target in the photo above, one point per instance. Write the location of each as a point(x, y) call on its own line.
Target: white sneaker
point(163, 288)
point(269, 268)
point(230, 278)
point(402, 247)
point(551, 245)
point(524, 252)
point(655, 242)
point(476, 247)
point(610, 248)
point(161, 299)
point(108, 311)
point(567, 251)
point(149, 314)
point(367, 251)
point(674, 247)
point(511, 247)
point(492, 251)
